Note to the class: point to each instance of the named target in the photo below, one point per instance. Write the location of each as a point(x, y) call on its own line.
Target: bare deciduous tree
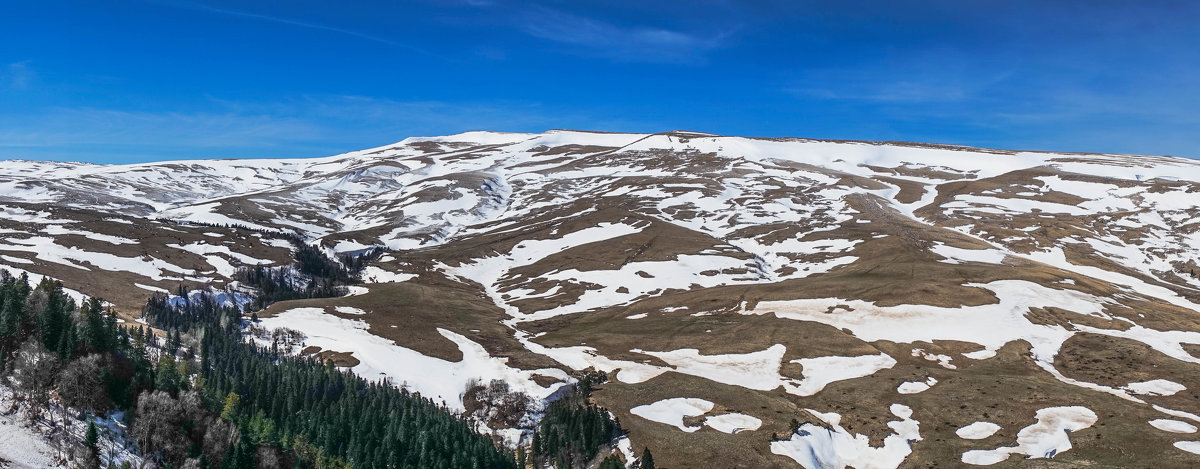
point(81, 384)
point(34, 372)
point(158, 427)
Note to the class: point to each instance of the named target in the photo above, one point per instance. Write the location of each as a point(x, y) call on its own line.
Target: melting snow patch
point(755, 370)
point(818, 447)
point(626, 448)
point(636, 316)
point(943, 360)
point(819, 372)
point(151, 288)
point(1155, 387)
point(1173, 426)
point(1189, 446)
point(913, 387)
point(980, 354)
point(1044, 439)
point(673, 411)
point(733, 423)
point(349, 310)
point(977, 431)
point(375, 274)
point(955, 255)
point(18, 260)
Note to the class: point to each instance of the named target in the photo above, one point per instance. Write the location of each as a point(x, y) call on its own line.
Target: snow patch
point(1044, 439)
point(819, 447)
point(977, 431)
point(1155, 387)
point(733, 423)
point(1173, 426)
point(914, 387)
point(821, 371)
point(673, 411)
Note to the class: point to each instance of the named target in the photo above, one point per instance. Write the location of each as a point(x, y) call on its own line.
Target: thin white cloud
point(19, 75)
point(301, 24)
point(629, 43)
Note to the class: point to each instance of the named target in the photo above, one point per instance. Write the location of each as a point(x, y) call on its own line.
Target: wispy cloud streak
point(297, 23)
point(628, 43)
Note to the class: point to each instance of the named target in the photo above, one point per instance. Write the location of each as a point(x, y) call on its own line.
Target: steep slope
point(886, 296)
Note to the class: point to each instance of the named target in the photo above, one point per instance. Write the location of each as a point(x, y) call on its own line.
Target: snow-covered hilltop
point(902, 302)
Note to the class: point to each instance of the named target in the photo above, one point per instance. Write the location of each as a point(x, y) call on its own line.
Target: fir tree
point(92, 437)
point(167, 377)
point(647, 460)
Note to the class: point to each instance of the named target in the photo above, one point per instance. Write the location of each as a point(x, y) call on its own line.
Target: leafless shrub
point(496, 404)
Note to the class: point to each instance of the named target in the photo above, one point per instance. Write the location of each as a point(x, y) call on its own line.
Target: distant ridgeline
point(205, 397)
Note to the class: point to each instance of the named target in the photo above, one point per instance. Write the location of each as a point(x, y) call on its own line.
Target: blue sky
point(128, 81)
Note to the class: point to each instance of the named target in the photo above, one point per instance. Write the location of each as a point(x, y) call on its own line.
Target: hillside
point(756, 302)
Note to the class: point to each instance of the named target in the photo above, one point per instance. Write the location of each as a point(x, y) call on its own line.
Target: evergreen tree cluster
point(300, 402)
point(310, 412)
point(184, 311)
point(315, 275)
point(285, 283)
point(356, 262)
point(574, 430)
point(313, 263)
point(53, 351)
point(15, 320)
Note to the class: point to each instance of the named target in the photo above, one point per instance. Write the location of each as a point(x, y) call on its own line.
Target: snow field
point(380, 358)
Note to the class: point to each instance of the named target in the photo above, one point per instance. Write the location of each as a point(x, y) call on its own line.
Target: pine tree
point(167, 378)
point(92, 437)
point(647, 459)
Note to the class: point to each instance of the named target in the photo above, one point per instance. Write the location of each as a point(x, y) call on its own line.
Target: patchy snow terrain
point(735, 283)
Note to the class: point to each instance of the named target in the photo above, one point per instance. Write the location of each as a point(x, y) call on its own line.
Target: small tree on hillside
point(647, 461)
